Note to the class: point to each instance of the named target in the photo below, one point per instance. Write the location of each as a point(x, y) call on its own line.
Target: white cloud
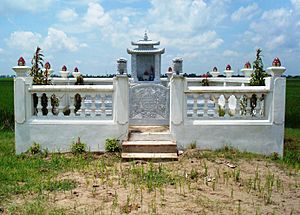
point(25, 5)
point(24, 40)
point(296, 4)
point(245, 13)
point(67, 15)
point(230, 53)
point(55, 40)
point(58, 40)
point(96, 16)
point(276, 42)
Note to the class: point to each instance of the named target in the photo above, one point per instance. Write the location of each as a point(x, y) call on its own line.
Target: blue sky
point(92, 34)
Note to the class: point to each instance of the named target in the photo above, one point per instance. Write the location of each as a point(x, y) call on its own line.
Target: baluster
point(39, 105)
point(248, 107)
point(226, 106)
point(195, 108)
point(103, 108)
point(205, 108)
point(49, 106)
point(216, 103)
point(72, 104)
point(93, 105)
point(60, 105)
point(262, 105)
point(238, 107)
point(83, 106)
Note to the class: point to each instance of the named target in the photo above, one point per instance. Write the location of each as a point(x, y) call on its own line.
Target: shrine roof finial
point(145, 36)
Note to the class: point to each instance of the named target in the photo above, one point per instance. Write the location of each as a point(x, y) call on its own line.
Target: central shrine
point(146, 61)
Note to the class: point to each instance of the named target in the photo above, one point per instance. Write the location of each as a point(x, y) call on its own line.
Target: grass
point(292, 111)
point(38, 179)
point(21, 174)
point(6, 104)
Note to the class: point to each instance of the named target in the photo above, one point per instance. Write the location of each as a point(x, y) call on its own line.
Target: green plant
point(221, 111)
point(39, 76)
point(35, 149)
point(78, 147)
point(193, 145)
point(112, 145)
point(258, 75)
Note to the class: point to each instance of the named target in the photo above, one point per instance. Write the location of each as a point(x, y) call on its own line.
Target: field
point(201, 182)
point(6, 104)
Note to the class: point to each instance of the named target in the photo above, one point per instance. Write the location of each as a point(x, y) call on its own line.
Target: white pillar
point(177, 100)
point(121, 100)
point(157, 68)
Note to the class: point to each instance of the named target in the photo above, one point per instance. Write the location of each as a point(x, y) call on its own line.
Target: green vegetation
point(112, 145)
point(20, 174)
point(258, 75)
point(6, 104)
point(78, 147)
point(292, 110)
point(38, 182)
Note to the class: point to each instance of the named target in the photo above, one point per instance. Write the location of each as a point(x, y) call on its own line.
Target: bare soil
point(205, 185)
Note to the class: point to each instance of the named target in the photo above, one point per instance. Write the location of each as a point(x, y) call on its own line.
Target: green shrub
point(78, 147)
point(112, 145)
point(35, 149)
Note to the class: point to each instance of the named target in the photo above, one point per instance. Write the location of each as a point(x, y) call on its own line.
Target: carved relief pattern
point(149, 102)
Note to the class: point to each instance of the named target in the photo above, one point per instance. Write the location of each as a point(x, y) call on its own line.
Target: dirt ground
point(198, 184)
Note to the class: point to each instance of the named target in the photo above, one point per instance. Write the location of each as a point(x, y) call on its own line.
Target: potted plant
point(259, 74)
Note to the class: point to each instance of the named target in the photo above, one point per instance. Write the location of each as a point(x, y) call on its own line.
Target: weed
point(193, 145)
point(78, 147)
point(35, 149)
point(112, 145)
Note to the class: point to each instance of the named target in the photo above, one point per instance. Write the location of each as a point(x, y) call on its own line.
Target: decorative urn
point(276, 70)
point(47, 69)
point(247, 70)
point(76, 73)
point(122, 66)
point(177, 65)
point(215, 72)
point(21, 70)
point(169, 73)
point(64, 72)
point(228, 72)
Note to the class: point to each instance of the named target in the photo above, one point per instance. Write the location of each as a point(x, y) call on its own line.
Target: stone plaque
point(149, 104)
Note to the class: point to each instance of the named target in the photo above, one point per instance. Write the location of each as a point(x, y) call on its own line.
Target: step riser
point(149, 149)
point(149, 137)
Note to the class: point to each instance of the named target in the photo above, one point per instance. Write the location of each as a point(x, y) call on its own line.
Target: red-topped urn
point(276, 70)
point(247, 65)
point(228, 67)
point(64, 68)
point(76, 72)
point(21, 62)
point(47, 65)
point(215, 72)
point(276, 62)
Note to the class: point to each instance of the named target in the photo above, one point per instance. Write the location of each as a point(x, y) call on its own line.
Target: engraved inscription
point(149, 102)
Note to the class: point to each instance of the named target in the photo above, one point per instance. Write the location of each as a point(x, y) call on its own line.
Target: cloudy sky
point(92, 34)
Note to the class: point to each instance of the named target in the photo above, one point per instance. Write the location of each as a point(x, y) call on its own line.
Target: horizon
point(92, 35)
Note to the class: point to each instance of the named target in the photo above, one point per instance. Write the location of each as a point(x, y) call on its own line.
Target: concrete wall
point(254, 135)
point(57, 133)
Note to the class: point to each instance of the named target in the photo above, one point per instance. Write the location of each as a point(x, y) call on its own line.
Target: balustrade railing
point(72, 101)
point(226, 102)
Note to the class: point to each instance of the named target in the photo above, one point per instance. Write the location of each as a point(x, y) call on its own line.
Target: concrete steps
point(149, 143)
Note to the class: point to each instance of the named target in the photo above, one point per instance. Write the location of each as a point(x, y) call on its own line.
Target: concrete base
point(262, 139)
point(58, 136)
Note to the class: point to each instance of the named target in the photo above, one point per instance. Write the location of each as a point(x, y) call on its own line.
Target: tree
point(258, 75)
point(36, 69)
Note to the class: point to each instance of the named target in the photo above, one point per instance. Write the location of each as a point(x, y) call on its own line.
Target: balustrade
point(72, 101)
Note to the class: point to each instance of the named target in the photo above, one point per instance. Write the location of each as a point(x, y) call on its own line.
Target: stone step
point(148, 129)
point(150, 156)
point(153, 136)
point(149, 147)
